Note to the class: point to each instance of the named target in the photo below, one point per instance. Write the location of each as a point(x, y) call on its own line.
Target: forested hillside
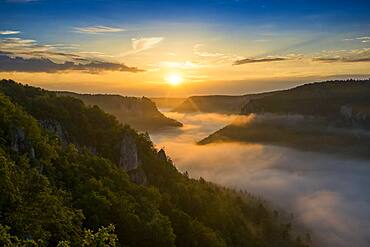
point(139, 113)
point(225, 104)
point(331, 117)
point(333, 100)
point(62, 183)
point(167, 103)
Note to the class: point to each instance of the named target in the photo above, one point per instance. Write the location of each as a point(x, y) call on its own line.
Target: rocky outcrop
point(128, 154)
point(162, 155)
point(138, 176)
point(19, 143)
point(55, 128)
point(252, 107)
point(18, 140)
point(129, 160)
point(357, 116)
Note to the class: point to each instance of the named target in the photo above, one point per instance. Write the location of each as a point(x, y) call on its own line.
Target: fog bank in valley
point(328, 194)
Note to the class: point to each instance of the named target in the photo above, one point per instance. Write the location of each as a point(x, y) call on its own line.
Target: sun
point(174, 79)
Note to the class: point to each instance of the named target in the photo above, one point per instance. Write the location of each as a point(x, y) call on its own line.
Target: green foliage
point(324, 127)
point(52, 196)
point(139, 113)
point(316, 99)
point(8, 240)
point(104, 237)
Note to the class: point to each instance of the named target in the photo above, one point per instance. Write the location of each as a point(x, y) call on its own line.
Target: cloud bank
point(326, 194)
point(27, 55)
point(18, 64)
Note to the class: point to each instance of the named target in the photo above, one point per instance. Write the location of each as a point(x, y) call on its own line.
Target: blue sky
point(33, 17)
point(199, 39)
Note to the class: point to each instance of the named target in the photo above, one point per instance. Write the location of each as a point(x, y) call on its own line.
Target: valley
point(326, 193)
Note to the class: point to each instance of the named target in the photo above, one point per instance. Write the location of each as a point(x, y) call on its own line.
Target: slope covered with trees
point(329, 99)
point(225, 104)
point(72, 191)
point(139, 113)
point(331, 116)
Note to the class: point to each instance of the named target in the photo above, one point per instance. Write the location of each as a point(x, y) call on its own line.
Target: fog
point(327, 194)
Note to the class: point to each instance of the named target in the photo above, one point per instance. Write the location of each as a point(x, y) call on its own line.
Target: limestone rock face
point(20, 143)
point(18, 140)
point(252, 107)
point(162, 155)
point(128, 154)
point(346, 111)
point(356, 116)
point(138, 176)
point(56, 128)
point(129, 160)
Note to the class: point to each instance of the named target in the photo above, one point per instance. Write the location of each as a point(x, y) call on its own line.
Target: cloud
point(142, 44)
point(98, 29)
point(212, 58)
point(18, 64)
point(26, 55)
point(353, 56)
point(179, 65)
point(341, 59)
point(198, 50)
point(259, 60)
point(328, 195)
point(8, 32)
point(364, 39)
point(145, 43)
point(28, 48)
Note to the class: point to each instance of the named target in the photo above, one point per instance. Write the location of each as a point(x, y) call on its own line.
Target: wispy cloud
point(213, 58)
point(8, 32)
point(198, 50)
point(142, 44)
point(98, 29)
point(363, 39)
point(259, 60)
point(180, 65)
point(145, 43)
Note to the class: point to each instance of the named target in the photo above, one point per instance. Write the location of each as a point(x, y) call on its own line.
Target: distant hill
point(328, 99)
point(167, 103)
point(226, 104)
point(330, 116)
point(140, 113)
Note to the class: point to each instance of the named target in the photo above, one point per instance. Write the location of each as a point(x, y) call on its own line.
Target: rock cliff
point(55, 128)
point(128, 154)
point(20, 144)
point(129, 160)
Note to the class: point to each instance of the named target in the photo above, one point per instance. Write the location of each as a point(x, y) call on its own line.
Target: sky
point(182, 48)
